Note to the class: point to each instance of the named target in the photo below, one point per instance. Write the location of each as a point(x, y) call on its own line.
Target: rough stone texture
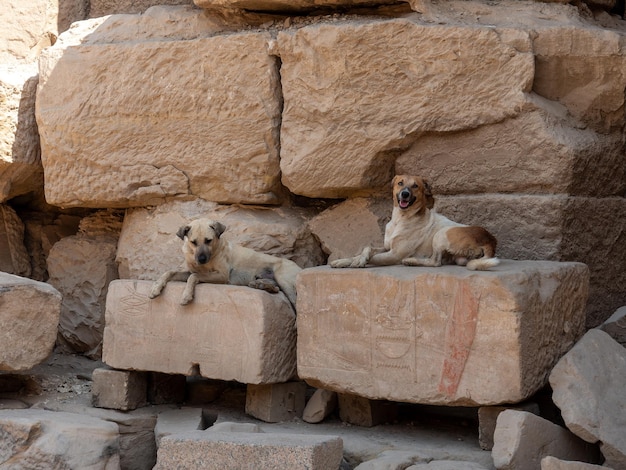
point(363, 219)
point(249, 451)
point(44, 439)
point(487, 418)
point(14, 258)
point(615, 326)
point(286, 5)
point(562, 157)
point(522, 439)
point(552, 463)
point(447, 465)
point(589, 386)
point(118, 389)
point(81, 268)
point(558, 228)
point(391, 460)
point(27, 28)
point(369, 103)
point(99, 8)
point(29, 315)
point(276, 402)
point(320, 405)
point(171, 141)
point(437, 335)
point(226, 333)
point(148, 245)
point(177, 421)
point(234, 427)
point(20, 163)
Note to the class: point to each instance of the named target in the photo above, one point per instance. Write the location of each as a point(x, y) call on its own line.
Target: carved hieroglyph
point(226, 333)
point(445, 336)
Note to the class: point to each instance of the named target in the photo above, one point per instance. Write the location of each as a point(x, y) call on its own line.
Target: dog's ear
point(218, 228)
point(183, 231)
point(428, 194)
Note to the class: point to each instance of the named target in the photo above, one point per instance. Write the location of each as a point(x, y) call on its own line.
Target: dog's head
point(201, 239)
point(412, 192)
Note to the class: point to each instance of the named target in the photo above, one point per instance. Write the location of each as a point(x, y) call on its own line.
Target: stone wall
point(290, 119)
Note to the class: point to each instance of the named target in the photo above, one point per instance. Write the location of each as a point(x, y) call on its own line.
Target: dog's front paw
point(268, 285)
point(155, 291)
point(341, 263)
point(186, 298)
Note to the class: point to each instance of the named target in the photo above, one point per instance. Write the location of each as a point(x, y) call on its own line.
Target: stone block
point(249, 451)
point(488, 415)
point(437, 335)
point(177, 421)
point(552, 463)
point(30, 316)
point(227, 332)
point(276, 402)
point(365, 412)
point(14, 258)
point(46, 439)
point(208, 94)
point(522, 439)
point(118, 389)
point(321, 404)
point(286, 5)
point(368, 104)
point(589, 386)
point(20, 163)
point(615, 326)
point(447, 465)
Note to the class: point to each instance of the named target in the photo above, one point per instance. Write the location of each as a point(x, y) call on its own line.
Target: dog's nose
point(202, 258)
point(405, 194)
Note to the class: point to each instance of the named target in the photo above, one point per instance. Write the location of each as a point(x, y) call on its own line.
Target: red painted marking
point(460, 333)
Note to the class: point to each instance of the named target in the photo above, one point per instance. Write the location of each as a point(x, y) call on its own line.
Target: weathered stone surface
point(258, 451)
point(27, 28)
point(276, 402)
point(368, 104)
point(391, 460)
point(45, 439)
point(447, 465)
point(615, 326)
point(487, 418)
point(212, 108)
point(362, 219)
point(148, 245)
point(522, 439)
point(118, 389)
point(177, 421)
point(81, 268)
point(14, 258)
point(234, 427)
point(320, 405)
point(436, 336)
point(226, 333)
point(558, 228)
point(99, 8)
point(552, 463)
point(542, 142)
point(286, 5)
point(29, 315)
point(589, 386)
point(20, 163)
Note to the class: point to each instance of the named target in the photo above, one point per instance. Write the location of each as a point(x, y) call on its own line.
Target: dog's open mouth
point(405, 199)
point(403, 203)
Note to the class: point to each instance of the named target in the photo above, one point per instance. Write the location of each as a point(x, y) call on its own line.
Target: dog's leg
point(166, 277)
point(434, 261)
point(359, 261)
point(189, 289)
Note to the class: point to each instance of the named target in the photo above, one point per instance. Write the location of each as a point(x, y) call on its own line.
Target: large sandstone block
point(589, 386)
point(20, 163)
point(249, 451)
point(226, 333)
point(30, 316)
point(375, 86)
point(287, 5)
point(206, 114)
point(46, 439)
point(522, 440)
point(148, 245)
point(438, 335)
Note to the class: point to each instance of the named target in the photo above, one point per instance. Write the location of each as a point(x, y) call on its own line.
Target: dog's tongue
point(403, 204)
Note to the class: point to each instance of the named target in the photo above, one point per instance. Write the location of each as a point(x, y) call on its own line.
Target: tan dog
point(417, 236)
point(209, 258)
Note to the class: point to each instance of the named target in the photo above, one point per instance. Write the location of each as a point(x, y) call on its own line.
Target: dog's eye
point(400, 183)
point(207, 241)
point(194, 242)
point(414, 186)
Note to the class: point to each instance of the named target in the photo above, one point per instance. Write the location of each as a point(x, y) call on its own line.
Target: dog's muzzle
point(405, 198)
point(202, 255)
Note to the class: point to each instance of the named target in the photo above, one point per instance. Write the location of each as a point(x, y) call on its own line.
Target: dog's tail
point(482, 264)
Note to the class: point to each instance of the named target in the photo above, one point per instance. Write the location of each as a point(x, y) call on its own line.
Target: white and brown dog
point(417, 236)
point(212, 259)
